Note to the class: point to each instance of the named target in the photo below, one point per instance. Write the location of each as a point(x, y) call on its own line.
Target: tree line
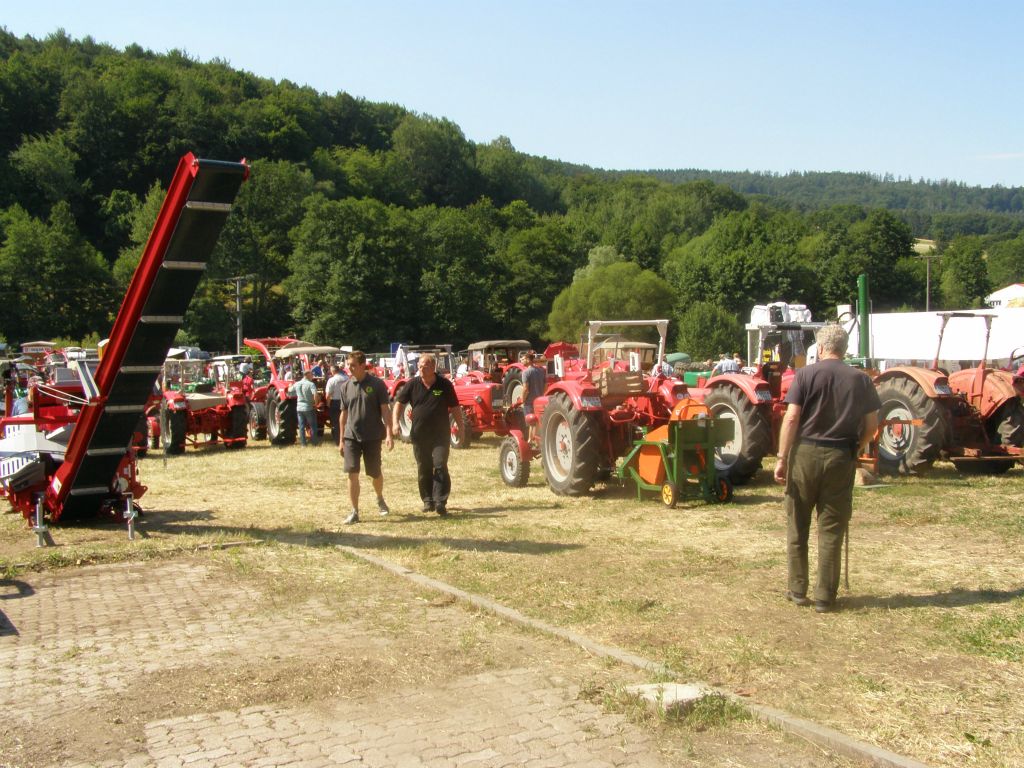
point(366, 223)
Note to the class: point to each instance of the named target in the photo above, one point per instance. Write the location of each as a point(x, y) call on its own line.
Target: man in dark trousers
point(832, 414)
point(365, 422)
point(432, 398)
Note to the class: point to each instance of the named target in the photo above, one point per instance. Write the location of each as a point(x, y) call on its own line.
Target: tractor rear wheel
point(741, 457)
point(461, 437)
point(257, 421)
point(569, 441)
point(512, 386)
point(172, 430)
point(282, 420)
point(238, 427)
point(1006, 426)
point(904, 448)
point(514, 467)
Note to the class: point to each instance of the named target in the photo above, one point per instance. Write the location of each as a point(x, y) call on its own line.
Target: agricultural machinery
point(679, 456)
point(191, 410)
point(973, 416)
point(272, 405)
point(71, 457)
point(591, 418)
point(498, 362)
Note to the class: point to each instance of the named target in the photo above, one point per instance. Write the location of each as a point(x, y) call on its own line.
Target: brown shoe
point(822, 606)
point(798, 599)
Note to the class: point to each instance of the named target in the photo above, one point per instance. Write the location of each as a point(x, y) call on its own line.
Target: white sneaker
point(353, 518)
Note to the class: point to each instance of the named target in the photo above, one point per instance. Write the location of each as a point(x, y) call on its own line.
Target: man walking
point(332, 391)
point(432, 398)
point(305, 407)
point(364, 422)
point(832, 414)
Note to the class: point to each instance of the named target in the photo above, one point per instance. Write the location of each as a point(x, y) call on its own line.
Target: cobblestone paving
point(71, 639)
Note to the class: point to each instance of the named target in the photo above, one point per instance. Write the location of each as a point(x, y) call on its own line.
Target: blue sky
point(916, 89)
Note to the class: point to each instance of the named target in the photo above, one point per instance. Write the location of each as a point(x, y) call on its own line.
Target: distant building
point(1009, 296)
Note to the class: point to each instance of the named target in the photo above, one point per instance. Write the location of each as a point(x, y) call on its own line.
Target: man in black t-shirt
point(432, 398)
point(832, 415)
point(363, 423)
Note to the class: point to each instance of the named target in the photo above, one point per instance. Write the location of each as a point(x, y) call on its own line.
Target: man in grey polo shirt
point(365, 422)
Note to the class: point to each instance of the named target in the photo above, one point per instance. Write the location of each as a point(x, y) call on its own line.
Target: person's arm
point(787, 439)
point(868, 427)
point(342, 420)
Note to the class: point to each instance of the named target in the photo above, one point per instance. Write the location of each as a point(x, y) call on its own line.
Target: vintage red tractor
point(192, 412)
point(272, 405)
point(588, 420)
point(972, 416)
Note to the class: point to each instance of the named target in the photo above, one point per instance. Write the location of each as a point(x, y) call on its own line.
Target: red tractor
point(590, 418)
point(972, 416)
point(192, 412)
point(498, 362)
point(272, 408)
point(480, 400)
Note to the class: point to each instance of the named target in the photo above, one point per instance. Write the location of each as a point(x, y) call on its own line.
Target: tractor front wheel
point(460, 434)
point(257, 421)
point(238, 427)
point(172, 431)
point(904, 448)
point(740, 458)
point(404, 421)
point(514, 467)
point(569, 441)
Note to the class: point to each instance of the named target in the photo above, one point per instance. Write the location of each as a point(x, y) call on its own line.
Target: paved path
point(172, 664)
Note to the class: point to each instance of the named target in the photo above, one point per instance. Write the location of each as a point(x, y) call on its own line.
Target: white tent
point(1004, 296)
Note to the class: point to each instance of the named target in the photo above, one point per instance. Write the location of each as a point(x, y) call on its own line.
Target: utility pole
point(928, 256)
point(238, 280)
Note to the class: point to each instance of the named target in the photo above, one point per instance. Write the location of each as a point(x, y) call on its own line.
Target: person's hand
point(780, 471)
point(341, 447)
point(389, 442)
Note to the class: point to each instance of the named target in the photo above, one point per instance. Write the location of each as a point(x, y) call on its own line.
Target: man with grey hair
point(832, 414)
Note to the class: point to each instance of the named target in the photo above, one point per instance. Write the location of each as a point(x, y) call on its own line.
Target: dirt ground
point(924, 657)
point(285, 655)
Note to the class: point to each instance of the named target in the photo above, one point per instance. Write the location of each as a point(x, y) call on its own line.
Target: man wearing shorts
point(364, 423)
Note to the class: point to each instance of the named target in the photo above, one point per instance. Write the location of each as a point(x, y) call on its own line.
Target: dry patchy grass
point(924, 658)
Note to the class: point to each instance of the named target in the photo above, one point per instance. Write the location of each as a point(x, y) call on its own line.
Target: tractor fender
point(748, 385)
point(931, 382)
point(997, 392)
point(583, 395)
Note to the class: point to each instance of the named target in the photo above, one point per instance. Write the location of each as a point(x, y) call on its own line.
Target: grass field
point(924, 657)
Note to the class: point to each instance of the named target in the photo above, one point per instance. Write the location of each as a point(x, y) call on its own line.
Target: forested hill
point(916, 200)
point(366, 223)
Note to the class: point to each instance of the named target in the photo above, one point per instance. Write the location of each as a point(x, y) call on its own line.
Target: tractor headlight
point(179, 405)
point(763, 395)
point(590, 402)
point(943, 389)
